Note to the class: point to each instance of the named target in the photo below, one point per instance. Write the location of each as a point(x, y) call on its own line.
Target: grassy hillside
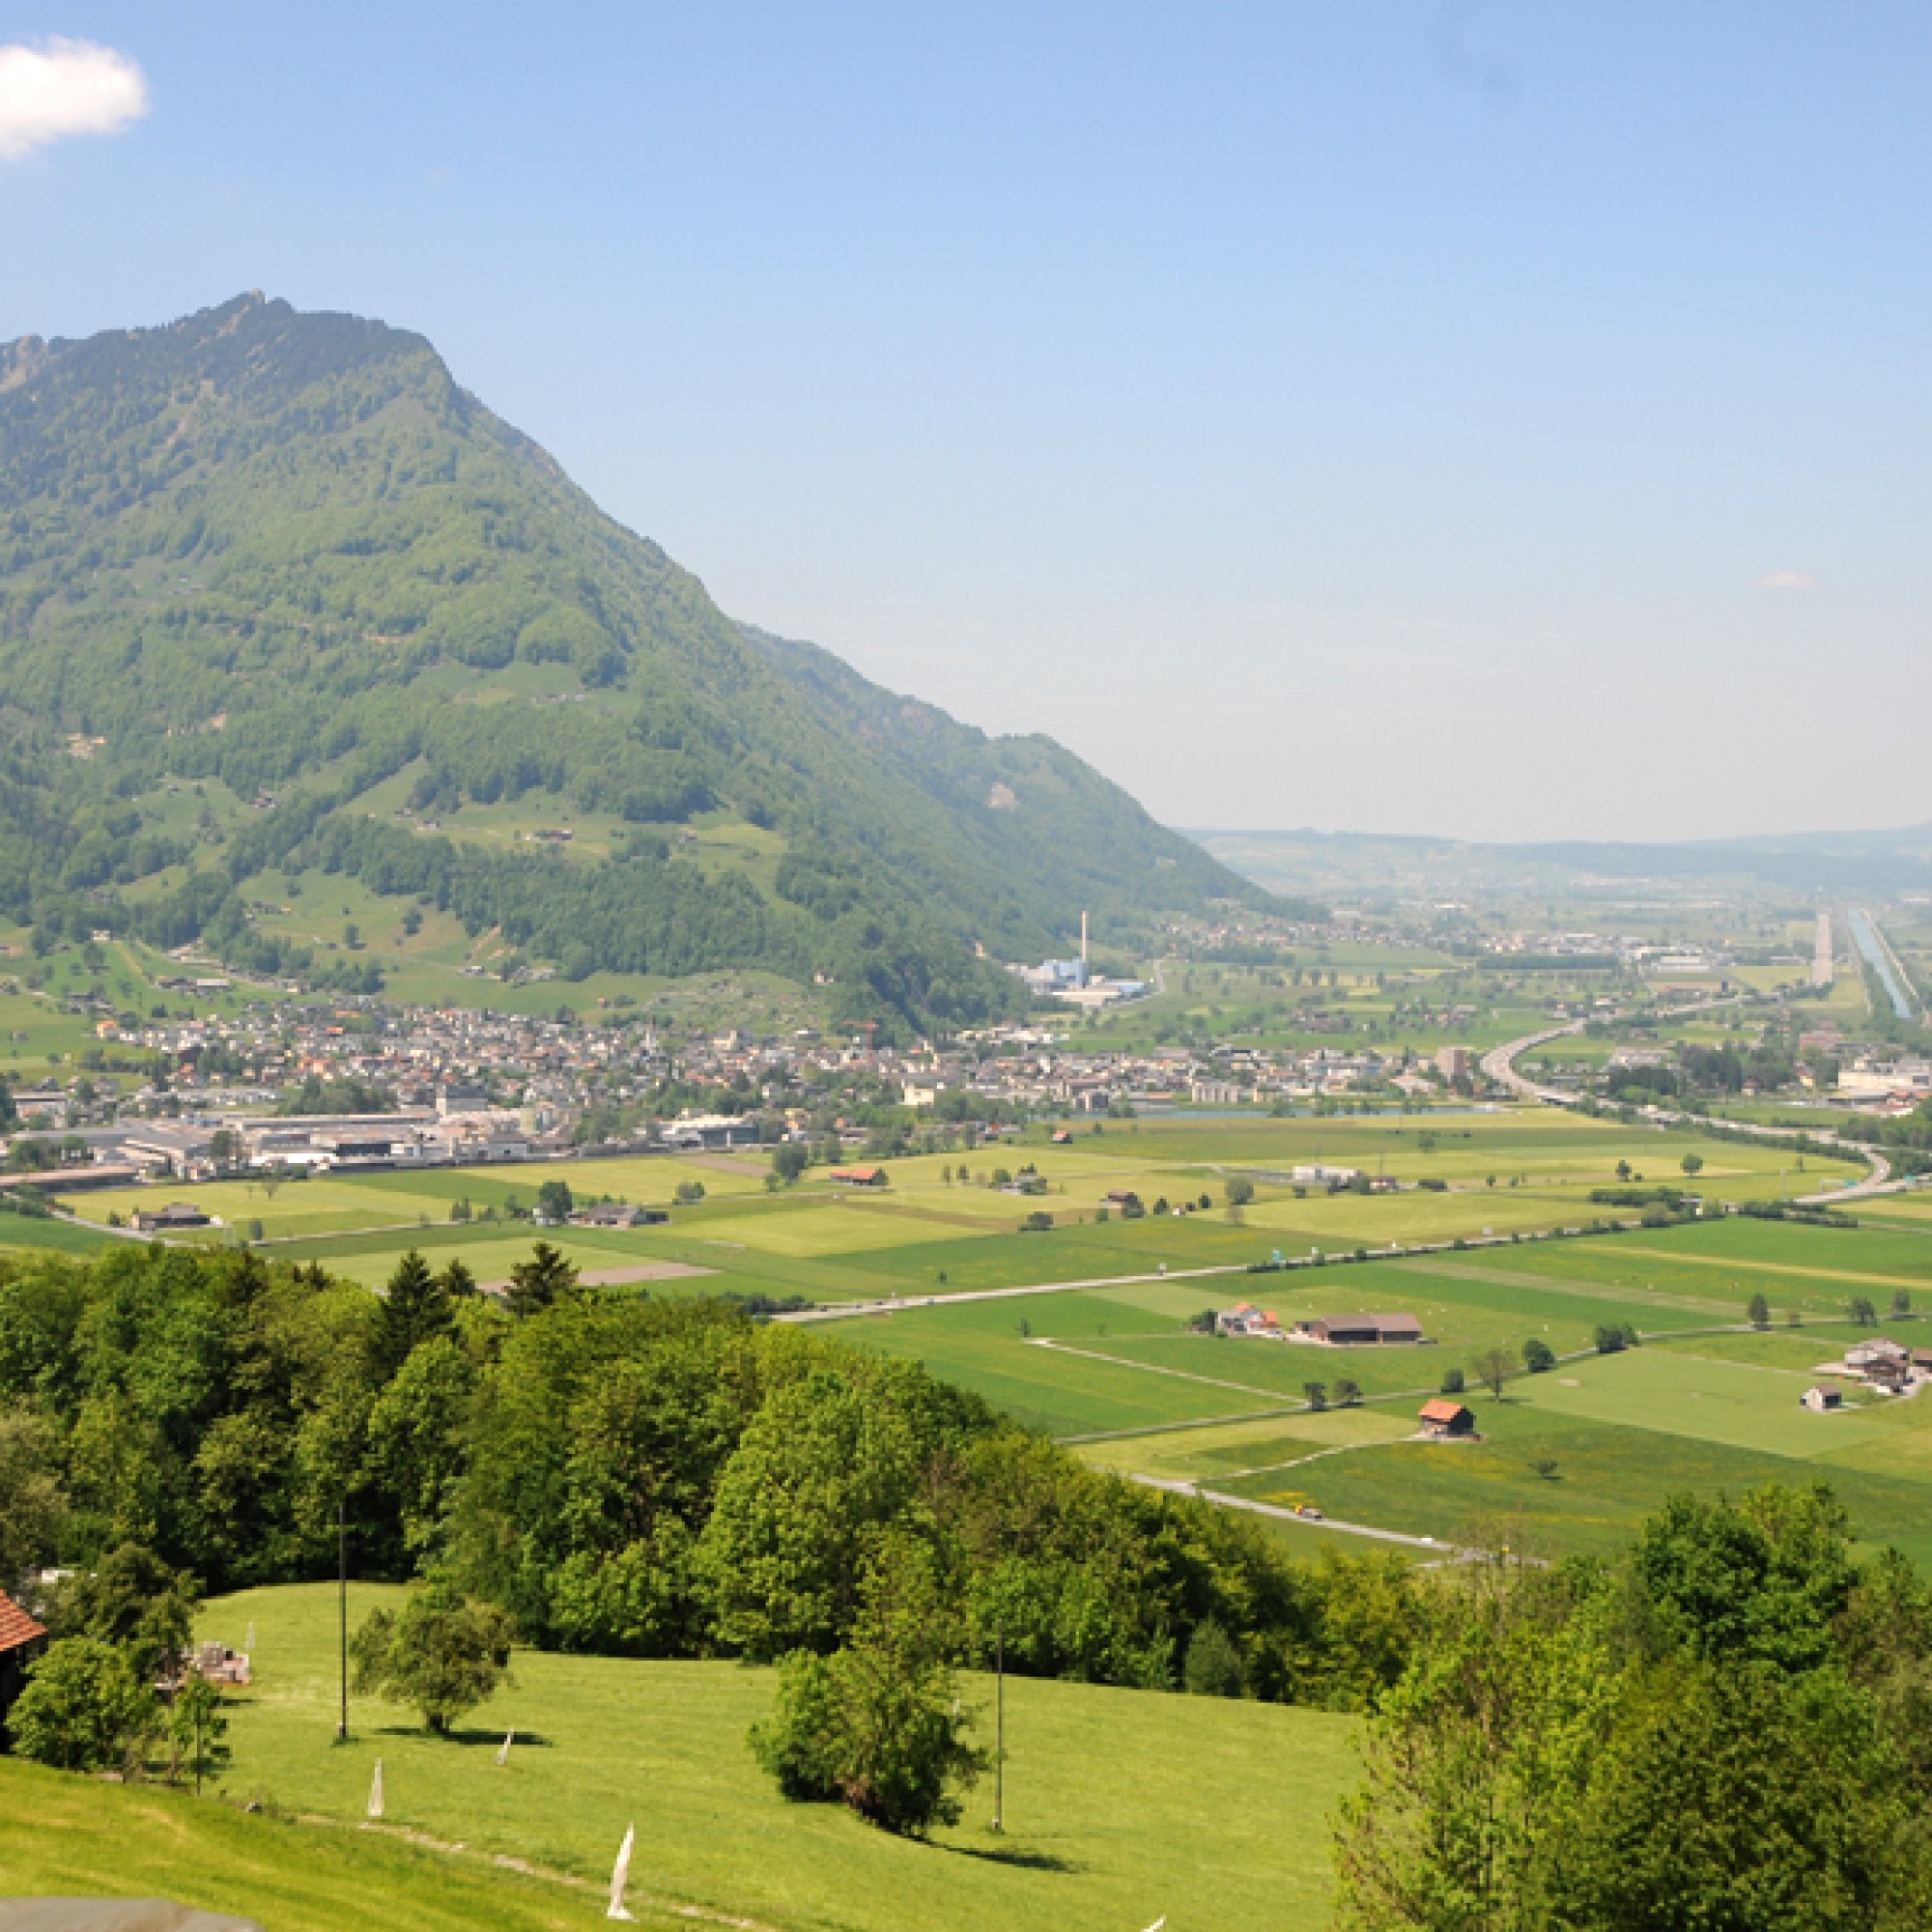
point(278, 599)
point(1120, 1806)
point(71, 1837)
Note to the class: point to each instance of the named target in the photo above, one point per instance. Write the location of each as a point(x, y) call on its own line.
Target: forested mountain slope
point(287, 553)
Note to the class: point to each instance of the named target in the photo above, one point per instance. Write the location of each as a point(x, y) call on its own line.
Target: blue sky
point(1497, 420)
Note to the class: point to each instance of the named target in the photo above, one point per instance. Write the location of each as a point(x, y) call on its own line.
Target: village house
point(858, 1176)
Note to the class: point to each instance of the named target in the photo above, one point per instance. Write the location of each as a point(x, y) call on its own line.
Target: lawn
point(1095, 1782)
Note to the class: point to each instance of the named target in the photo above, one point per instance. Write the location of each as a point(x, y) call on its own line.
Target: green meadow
point(1095, 1780)
point(1579, 1453)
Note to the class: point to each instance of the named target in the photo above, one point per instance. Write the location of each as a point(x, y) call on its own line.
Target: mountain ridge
point(290, 552)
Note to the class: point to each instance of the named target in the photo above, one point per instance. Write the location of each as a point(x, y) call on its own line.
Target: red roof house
point(18, 1634)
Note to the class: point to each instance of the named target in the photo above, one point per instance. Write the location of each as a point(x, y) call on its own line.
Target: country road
point(1225, 1501)
point(895, 1303)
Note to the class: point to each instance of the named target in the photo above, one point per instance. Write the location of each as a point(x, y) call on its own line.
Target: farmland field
point(1706, 1404)
point(1093, 1777)
point(1500, 1172)
point(1099, 1345)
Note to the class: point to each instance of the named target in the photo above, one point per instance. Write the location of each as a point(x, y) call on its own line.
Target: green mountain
point(289, 554)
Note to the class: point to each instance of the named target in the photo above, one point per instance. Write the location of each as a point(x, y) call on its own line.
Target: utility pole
point(998, 1731)
point(342, 1607)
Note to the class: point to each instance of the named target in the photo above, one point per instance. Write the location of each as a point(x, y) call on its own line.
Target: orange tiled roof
point(16, 1627)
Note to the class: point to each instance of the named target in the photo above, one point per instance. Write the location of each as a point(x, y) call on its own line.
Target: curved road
point(1499, 1064)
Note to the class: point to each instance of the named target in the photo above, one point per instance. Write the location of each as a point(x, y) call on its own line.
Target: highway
point(1499, 1064)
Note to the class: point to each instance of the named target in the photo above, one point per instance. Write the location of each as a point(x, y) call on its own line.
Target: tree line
point(612, 1474)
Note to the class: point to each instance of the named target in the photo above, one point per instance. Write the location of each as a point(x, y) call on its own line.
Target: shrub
point(1538, 1357)
point(84, 1708)
point(877, 1725)
point(1213, 1666)
point(443, 1652)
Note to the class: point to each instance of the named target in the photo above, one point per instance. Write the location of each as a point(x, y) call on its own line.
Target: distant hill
point(288, 554)
point(1816, 864)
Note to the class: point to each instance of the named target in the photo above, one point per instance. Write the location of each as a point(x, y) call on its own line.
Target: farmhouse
point(1348, 1331)
point(1245, 1318)
point(1882, 1352)
point(617, 1215)
point(1445, 1419)
point(858, 1176)
point(1822, 1397)
point(158, 1220)
point(1882, 1363)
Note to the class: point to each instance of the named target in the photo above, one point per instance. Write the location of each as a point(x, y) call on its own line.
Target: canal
point(1864, 934)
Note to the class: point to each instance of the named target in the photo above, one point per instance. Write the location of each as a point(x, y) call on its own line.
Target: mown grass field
point(1095, 1782)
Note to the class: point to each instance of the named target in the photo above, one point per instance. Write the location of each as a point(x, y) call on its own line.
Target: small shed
point(1443, 1418)
point(1822, 1396)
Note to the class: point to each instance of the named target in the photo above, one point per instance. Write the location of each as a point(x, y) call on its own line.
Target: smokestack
point(1083, 939)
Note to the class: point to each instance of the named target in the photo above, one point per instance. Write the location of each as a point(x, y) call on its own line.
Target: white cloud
point(64, 87)
point(1787, 580)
